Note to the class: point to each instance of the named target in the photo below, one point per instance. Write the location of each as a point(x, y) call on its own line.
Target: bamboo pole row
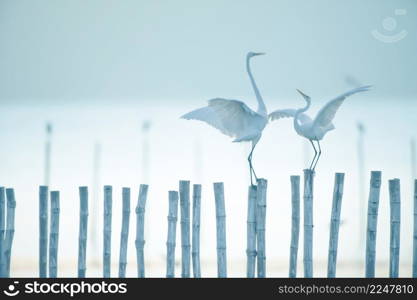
point(256, 224)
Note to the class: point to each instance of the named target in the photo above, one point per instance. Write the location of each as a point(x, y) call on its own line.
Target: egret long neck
point(261, 104)
point(297, 125)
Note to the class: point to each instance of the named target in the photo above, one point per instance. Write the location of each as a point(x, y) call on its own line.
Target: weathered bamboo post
point(308, 222)
point(2, 230)
point(140, 229)
point(185, 227)
point(251, 233)
point(260, 226)
point(334, 224)
point(9, 234)
point(295, 224)
point(221, 229)
point(195, 252)
point(415, 232)
point(43, 231)
point(371, 231)
point(54, 235)
point(82, 234)
point(125, 232)
point(172, 232)
point(395, 218)
point(108, 201)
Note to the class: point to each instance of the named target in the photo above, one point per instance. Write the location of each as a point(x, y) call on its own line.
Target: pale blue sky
point(157, 50)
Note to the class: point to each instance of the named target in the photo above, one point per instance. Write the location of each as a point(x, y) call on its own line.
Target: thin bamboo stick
point(415, 232)
point(334, 224)
point(2, 230)
point(9, 235)
point(221, 229)
point(371, 231)
point(195, 252)
point(295, 224)
point(172, 232)
point(82, 234)
point(260, 226)
point(395, 218)
point(251, 232)
point(184, 188)
point(125, 232)
point(43, 231)
point(140, 229)
point(308, 222)
point(54, 235)
point(108, 201)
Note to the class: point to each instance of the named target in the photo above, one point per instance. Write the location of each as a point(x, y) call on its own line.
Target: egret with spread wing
point(234, 118)
point(315, 130)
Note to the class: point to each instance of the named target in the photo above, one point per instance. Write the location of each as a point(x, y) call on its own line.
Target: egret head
point(252, 54)
point(306, 98)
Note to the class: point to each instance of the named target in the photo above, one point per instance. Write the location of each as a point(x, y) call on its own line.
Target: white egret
point(234, 118)
point(315, 130)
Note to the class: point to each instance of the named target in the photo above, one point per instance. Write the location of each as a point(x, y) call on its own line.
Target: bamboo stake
point(395, 218)
point(54, 235)
point(251, 232)
point(185, 227)
point(295, 224)
point(334, 224)
point(107, 231)
point(172, 228)
point(415, 232)
point(140, 229)
point(43, 231)
point(373, 204)
point(125, 232)
point(260, 226)
point(9, 235)
point(2, 230)
point(196, 230)
point(82, 234)
point(308, 223)
point(221, 229)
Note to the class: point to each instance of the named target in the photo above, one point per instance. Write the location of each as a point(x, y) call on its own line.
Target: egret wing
point(288, 113)
point(326, 114)
point(282, 113)
point(208, 115)
point(236, 118)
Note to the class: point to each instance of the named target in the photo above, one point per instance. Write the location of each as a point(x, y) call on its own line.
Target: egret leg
point(315, 155)
point(318, 156)
point(252, 170)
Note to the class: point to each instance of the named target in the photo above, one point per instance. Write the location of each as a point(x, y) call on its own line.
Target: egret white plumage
point(234, 118)
point(315, 130)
